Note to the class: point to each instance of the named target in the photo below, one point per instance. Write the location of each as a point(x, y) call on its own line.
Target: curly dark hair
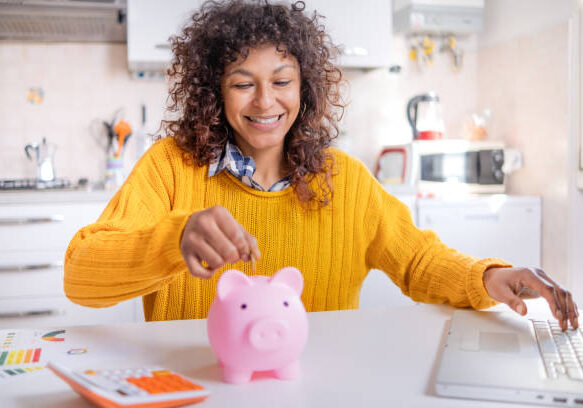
point(218, 34)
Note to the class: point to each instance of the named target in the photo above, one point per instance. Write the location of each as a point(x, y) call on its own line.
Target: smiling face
point(261, 96)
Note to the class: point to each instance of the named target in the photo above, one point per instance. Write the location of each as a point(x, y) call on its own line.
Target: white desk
point(360, 358)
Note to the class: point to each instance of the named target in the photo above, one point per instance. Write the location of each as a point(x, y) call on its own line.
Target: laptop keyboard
point(562, 352)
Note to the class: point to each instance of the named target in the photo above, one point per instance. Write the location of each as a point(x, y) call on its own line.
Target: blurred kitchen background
point(507, 69)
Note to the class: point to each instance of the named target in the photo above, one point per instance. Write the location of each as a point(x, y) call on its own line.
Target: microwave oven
point(443, 166)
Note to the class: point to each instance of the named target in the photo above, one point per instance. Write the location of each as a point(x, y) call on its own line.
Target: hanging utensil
point(123, 131)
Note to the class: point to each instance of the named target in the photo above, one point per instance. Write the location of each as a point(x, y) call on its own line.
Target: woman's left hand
point(511, 285)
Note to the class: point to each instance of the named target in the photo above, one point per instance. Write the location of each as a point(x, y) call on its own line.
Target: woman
point(249, 173)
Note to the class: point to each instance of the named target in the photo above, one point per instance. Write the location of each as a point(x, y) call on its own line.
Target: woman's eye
point(281, 83)
point(242, 86)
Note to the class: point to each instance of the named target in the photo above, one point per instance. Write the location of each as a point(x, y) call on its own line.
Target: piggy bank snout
point(268, 334)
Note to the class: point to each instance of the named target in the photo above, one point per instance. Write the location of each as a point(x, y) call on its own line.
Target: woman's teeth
point(272, 119)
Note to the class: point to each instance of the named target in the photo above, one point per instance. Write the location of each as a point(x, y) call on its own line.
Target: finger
point(576, 324)
point(561, 299)
point(235, 234)
point(533, 280)
point(514, 301)
point(196, 269)
point(562, 313)
point(223, 246)
point(564, 295)
point(252, 242)
point(207, 254)
point(572, 312)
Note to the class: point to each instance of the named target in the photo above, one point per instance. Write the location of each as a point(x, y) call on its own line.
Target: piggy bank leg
point(289, 372)
point(236, 376)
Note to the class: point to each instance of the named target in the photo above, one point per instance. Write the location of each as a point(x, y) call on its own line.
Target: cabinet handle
point(31, 313)
point(31, 267)
point(31, 220)
point(163, 46)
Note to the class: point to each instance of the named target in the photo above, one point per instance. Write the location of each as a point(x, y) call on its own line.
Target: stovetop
point(34, 184)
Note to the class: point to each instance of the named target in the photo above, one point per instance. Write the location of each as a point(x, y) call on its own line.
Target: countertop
point(374, 357)
point(55, 196)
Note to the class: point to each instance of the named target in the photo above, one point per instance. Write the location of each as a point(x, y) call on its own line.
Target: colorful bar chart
point(8, 373)
point(24, 356)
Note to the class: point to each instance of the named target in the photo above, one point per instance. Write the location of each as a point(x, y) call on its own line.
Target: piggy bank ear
point(291, 277)
point(229, 281)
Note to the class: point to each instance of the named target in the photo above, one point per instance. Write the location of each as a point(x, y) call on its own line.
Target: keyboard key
point(562, 352)
point(575, 373)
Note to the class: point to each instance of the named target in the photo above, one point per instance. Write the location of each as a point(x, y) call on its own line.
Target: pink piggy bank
point(257, 323)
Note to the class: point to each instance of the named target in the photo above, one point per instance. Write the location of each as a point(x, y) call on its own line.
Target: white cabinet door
point(495, 226)
point(150, 25)
point(44, 226)
point(361, 29)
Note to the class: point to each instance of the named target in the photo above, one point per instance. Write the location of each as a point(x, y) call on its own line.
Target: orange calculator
point(133, 387)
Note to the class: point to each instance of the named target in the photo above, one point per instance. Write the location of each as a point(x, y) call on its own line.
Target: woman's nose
point(264, 97)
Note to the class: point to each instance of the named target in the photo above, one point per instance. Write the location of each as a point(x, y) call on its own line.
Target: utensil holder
point(114, 173)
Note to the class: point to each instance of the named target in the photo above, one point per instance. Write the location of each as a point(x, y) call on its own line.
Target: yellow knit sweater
point(133, 249)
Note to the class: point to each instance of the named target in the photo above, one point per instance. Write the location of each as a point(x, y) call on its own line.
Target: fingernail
point(520, 309)
point(559, 315)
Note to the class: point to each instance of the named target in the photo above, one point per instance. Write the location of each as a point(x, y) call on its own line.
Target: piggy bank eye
point(285, 303)
point(244, 306)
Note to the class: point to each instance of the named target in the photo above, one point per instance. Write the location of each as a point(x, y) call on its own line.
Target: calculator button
point(160, 372)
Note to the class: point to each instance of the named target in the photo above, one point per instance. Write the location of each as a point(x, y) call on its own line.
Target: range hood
point(63, 20)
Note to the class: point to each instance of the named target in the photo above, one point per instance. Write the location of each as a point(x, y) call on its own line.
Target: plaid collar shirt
point(243, 168)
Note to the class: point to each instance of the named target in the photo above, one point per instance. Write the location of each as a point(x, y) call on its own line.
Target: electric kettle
point(424, 116)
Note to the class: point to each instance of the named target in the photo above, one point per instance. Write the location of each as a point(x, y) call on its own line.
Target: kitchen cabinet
point(35, 230)
point(499, 225)
point(363, 32)
point(150, 25)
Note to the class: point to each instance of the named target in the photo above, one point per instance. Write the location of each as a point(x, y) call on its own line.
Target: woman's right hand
point(213, 238)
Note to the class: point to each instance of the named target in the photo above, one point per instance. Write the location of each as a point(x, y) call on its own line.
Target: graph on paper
point(27, 351)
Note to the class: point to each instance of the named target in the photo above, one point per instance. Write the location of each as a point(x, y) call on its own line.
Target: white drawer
point(31, 274)
point(43, 227)
point(59, 311)
point(40, 282)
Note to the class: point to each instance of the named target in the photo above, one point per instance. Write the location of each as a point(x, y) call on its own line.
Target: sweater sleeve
point(134, 247)
point(417, 261)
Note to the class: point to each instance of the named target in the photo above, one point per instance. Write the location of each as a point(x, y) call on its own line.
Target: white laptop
point(506, 357)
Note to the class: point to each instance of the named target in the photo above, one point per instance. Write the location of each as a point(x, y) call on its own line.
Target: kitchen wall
point(523, 75)
point(87, 83)
point(81, 83)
